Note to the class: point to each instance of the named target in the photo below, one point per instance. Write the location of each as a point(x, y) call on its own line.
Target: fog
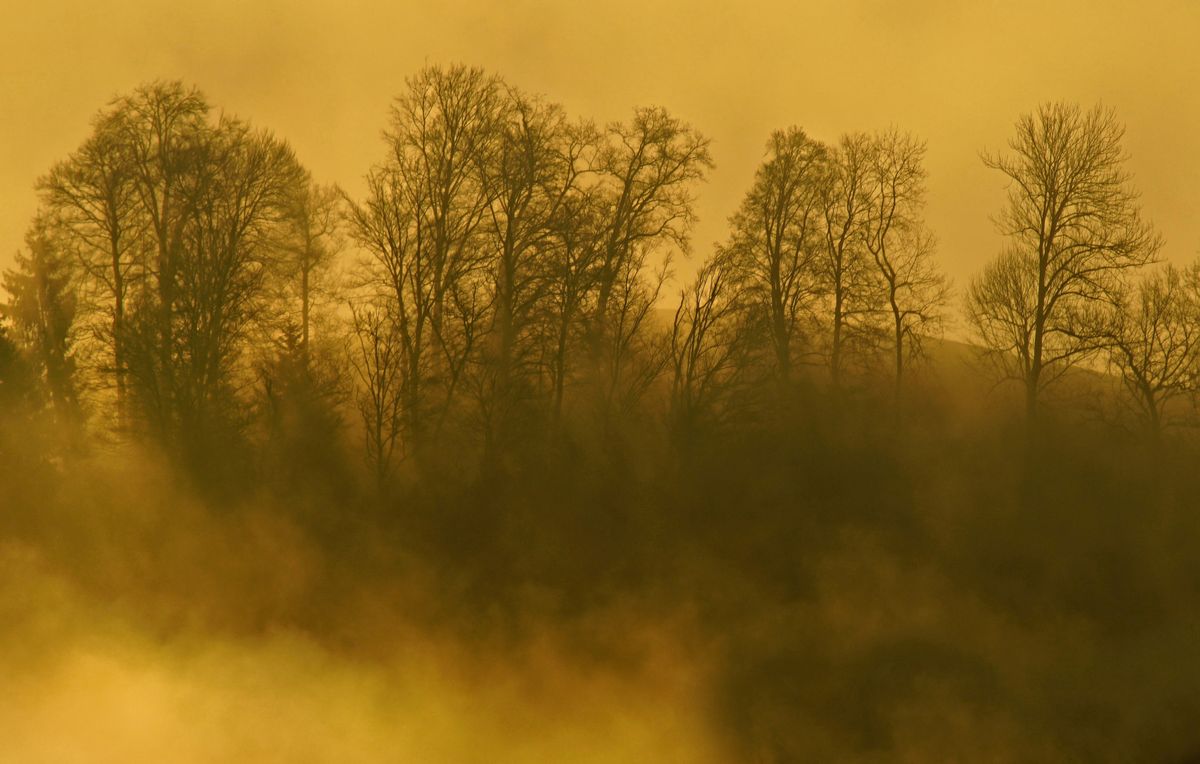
point(630, 382)
point(850, 601)
point(227, 668)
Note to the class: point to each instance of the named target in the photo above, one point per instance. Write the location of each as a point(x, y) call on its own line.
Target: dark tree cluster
point(479, 373)
point(828, 271)
point(503, 279)
point(513, 262)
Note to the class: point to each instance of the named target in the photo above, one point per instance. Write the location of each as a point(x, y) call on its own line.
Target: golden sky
point(321, 73)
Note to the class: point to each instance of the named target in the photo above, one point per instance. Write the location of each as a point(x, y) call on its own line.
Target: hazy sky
point(322, 75)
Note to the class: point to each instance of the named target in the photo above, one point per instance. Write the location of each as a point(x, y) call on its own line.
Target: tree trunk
point(835, 355)
point(1031, 397)
point(899, 328)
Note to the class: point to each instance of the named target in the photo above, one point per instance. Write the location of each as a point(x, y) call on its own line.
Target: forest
point(497, 422)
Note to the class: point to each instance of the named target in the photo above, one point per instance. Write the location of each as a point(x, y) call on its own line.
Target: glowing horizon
point(957, 75)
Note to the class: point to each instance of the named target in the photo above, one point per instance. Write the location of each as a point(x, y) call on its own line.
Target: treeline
point(473, 402)
point(506, 280)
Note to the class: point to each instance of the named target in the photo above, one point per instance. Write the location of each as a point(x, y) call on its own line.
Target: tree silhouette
point(92, 197)
point(647, 169)
point(842, 265)
point(1076, 232)
point(914, 290)
point(777, 239)
point(1155, 341)
point(377, 359)
point(530, 179)
point(712, 350)
point(423, 225)
point(312, 242)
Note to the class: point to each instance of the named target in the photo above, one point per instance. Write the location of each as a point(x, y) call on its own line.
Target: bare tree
point(443, 129)
point(634, 353)
point(1155, 345)
point(250, 180)
point(312, 244)
point(569, 280)
point(175, 217)
point(422, 224)
point(1076, 233)
point(776, 240)
point(91, 194)
point(841, 261)
point(529, 179)
point(377, 358)
point(163, 128)
point(711, 348)
point(385, 226)
point(647, 171)
point(901, 247)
